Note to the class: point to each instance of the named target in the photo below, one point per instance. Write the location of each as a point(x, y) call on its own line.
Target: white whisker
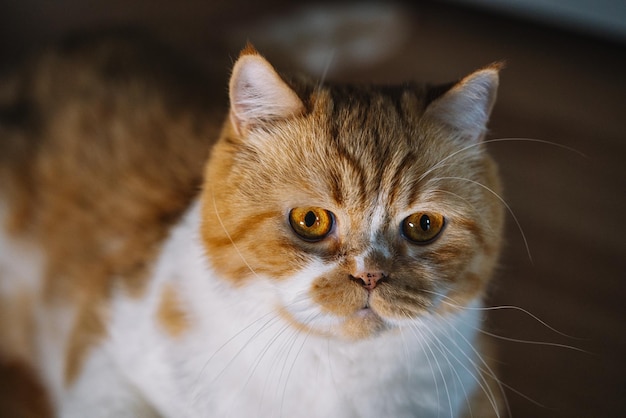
point(530, 342)
point(327, 64)
point(539, 141)
point(469, 204)
point(306, 336)
point(230, 340)
point(519, 226)
point(258, 332)
point(485, 368)
point(219, 218)
point(479, 144)
point(414, 328)
point(446, 299)
point(480, 380)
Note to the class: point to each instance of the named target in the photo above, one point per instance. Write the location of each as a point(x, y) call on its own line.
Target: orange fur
point(107, 155)
point(249, 49)
point(17, 326)
point(171, 315)
point(88, 330)
point(115, 156)
point(373, 140)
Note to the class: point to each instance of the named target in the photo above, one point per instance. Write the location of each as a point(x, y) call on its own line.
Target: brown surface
point(559, 87)
point(20, 394)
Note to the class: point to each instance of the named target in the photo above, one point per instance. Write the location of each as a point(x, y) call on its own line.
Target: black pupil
point(424, 222)
point(310, 218)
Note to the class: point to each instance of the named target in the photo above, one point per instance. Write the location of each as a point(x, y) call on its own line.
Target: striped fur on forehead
point(358, 150)
point(377, 132)
point(355, 141)
point(370, 128)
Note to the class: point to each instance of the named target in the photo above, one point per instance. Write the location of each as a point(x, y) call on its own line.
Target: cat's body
point(294, 284)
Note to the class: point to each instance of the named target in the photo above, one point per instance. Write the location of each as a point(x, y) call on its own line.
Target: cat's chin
point(361, 324)
point(364, 323)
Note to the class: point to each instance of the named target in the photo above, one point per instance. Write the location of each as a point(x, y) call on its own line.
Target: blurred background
point(564, 83)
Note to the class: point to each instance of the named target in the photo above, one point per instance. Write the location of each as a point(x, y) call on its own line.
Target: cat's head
point(363, 208)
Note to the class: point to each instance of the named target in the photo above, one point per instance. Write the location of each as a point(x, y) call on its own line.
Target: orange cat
point(330, 260)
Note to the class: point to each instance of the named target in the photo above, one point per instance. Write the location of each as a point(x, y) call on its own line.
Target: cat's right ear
point(258, 94)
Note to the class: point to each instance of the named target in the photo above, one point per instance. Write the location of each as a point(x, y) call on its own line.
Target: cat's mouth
point(366, 312)
point(363, 323)
point(366, 309)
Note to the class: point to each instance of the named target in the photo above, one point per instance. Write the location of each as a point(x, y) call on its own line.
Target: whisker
point(219, 218)
point(441, 163)
point(440, 347)
point(497, 308)
point(478, 144)
point(280, 354)
point(419, 341)
point(264, 350)
point(484, 369)
point(545, 343)
point(258, 332)
point(327, 64)
point(506, 205)
point(540, 343)
point(230, 340)
point(480, 380)
point(517, 392)
point(539, 141)
point(500, 383)
point(407, 357)
point(469, 204)
point(306, 337)
point(443, 379)
point(533, 316)
point(272, 320)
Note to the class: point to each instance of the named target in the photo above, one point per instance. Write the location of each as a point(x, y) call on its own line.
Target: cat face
point(362, 208)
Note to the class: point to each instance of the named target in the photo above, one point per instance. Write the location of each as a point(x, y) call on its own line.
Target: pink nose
point(368, 280)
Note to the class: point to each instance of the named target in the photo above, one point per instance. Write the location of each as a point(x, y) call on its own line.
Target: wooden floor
point(563, 349)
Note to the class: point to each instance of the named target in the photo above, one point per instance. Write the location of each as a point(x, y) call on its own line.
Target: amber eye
point(311, 223)
point(422, 227)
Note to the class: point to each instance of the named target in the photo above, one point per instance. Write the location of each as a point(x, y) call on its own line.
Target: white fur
point(241, 359)
point(19, 260)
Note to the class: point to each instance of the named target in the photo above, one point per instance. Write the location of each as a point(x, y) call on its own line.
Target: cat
point(313, 249)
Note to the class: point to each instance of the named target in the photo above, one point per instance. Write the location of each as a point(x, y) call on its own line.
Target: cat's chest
point(227, 351)
point(269, 369)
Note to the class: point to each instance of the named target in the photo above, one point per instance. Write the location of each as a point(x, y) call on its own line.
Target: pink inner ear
point(258, 94)
point(467, 106)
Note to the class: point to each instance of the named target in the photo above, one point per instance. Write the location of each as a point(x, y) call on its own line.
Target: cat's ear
point(258, 94)
point(467, 105)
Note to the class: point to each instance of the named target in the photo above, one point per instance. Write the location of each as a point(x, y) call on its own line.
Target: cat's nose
point(368, 279)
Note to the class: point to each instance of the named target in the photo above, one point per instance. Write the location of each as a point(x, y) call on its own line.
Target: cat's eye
point(423, 227)
point(311, 223)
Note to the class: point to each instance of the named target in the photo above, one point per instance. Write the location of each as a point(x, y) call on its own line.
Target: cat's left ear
point(466, 107)
point(258, 94)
